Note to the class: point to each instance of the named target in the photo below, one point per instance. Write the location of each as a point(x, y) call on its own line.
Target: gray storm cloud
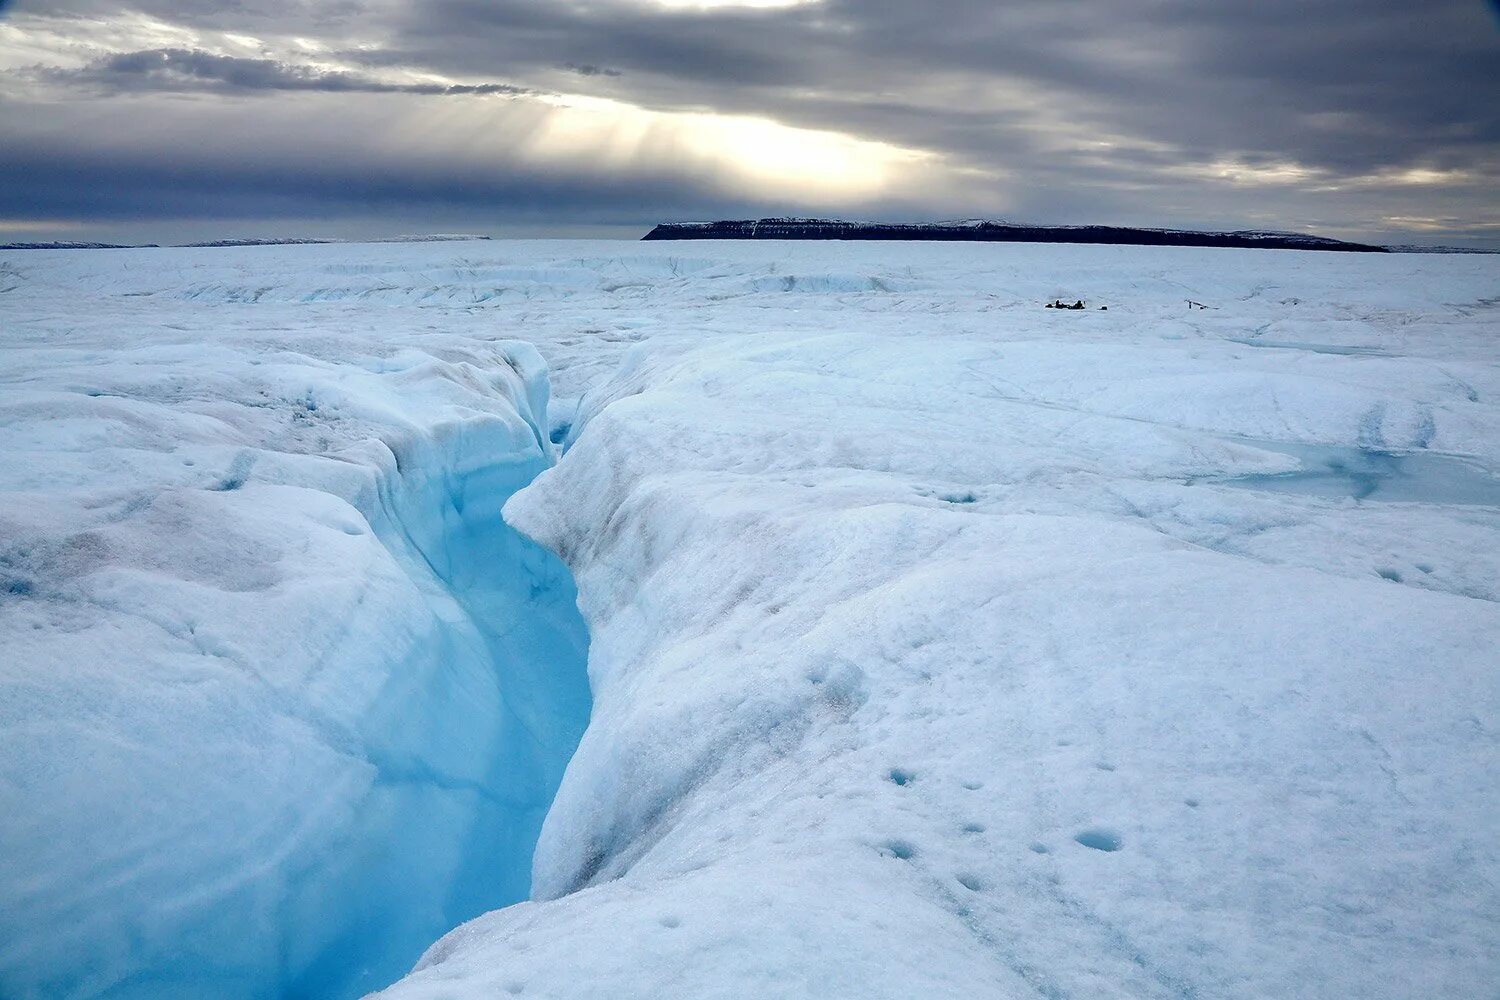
point(1374, 118)
point(189, 70)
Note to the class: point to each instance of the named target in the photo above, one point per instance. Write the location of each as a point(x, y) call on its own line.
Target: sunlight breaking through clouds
point(571, 134)
point(758, 153)
point(652, 107)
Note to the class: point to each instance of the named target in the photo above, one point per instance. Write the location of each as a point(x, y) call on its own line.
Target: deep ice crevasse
point(334, 804)
point(513, 704)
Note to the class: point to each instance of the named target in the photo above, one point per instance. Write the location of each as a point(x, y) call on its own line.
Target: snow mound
point(284, 698)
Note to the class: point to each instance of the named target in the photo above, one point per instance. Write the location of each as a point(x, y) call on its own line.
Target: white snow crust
point(940, 645)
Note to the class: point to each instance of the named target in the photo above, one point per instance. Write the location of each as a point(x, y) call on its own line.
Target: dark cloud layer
point(589, 69)
point(188, 70)
point(1349, 84)
point(1353, 115)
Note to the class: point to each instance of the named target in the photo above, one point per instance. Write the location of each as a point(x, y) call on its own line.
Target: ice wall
point(284, 697)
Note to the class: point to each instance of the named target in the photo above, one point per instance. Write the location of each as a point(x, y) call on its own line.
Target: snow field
point(939, 644)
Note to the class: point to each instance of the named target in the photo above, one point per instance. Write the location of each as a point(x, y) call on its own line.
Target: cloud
point(190, 70)
point(1338, 115)
point(1348, 84)
point(588, 69)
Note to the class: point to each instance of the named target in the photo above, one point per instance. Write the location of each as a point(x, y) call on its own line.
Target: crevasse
point(278, 800)
point(470, 744)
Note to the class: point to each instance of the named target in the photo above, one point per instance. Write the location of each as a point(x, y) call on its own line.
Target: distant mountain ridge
point(1418, 248)
point(978, 231)
point(273, 241)
point(983, 231)
point(267, 241)
point(74, 245)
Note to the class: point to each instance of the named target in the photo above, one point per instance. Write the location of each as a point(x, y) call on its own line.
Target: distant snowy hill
point(1418, 248)
point(266, 241)
point(297, 241)
point(262, 242)
point(982, 231)
point(775, 620)
point(71, 245)
point(433, 238)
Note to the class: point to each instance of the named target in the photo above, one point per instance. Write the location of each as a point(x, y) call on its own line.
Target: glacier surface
point(283, 696)
point(937, 644)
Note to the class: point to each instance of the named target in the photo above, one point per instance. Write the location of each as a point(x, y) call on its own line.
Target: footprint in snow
point(1100, 839)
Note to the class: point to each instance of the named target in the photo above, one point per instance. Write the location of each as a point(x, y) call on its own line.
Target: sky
point(176, 120)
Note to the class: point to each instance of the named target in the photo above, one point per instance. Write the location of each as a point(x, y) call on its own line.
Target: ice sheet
point(940, 644)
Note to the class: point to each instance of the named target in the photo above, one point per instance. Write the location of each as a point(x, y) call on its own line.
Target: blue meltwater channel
point(506, 704)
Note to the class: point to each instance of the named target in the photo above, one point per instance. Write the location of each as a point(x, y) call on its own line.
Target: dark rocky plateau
point(993, 232)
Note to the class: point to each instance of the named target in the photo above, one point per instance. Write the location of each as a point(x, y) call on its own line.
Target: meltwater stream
point(469, 749)
point(1340, 471)
point(302, 821)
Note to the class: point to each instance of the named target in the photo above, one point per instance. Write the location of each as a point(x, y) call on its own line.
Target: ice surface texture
point(941, 645)
point(283, 696)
